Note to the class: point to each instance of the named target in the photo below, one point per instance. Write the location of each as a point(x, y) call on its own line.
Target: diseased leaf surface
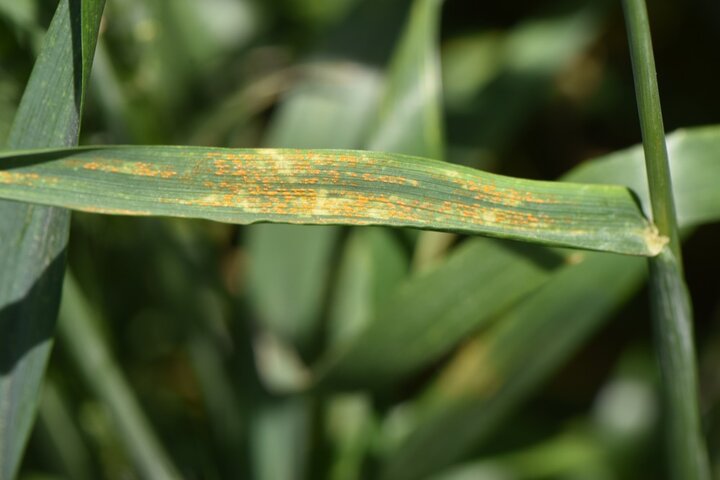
point(328, 187)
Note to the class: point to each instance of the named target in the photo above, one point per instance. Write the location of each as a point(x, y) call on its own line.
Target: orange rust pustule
point(502, 196)
point(389, 179)
point(150, 170)
point(142, 169)
point(19, 178)
point(273, 183)
point(302, 168)
point(308, 202)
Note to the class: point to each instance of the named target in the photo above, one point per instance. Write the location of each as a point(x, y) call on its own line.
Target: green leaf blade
point(437, 308)
point(496, 372)
point(328, 187)
point(33, 238)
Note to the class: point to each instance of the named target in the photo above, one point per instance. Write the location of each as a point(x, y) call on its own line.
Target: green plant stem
point(672, 318)
point(651, 122)
point(671, 306)
point(83, 341)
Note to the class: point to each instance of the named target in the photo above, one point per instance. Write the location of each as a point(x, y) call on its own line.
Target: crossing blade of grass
point(288, 288)
point(373, 265)
point(431, 312)
point(86, 346)
point(328, 187)
point(33, 238)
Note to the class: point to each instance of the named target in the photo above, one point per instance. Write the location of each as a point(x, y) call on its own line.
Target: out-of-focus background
point(220, 330)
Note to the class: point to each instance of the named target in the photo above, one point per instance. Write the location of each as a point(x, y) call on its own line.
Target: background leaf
point(32, 238)
point(528, 91)
point(410, 114)
point(493, 374)
point(472, 398)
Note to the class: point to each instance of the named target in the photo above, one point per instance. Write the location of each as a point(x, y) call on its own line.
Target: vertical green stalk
point(671, 307)
point(651, 122)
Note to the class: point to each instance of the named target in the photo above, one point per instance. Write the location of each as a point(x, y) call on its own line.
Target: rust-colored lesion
point(22, 178)
point(28, 179)
point(311, 185)
point(389, 179)
point(150, 170)
point(485, 190)
point(366, 207)
point(143, 169)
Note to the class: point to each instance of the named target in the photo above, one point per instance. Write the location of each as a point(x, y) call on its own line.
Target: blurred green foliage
point(221, 331)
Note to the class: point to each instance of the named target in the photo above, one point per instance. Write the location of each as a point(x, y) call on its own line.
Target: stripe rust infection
point(28, 179)
point(325, 187)
point(142, 169)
